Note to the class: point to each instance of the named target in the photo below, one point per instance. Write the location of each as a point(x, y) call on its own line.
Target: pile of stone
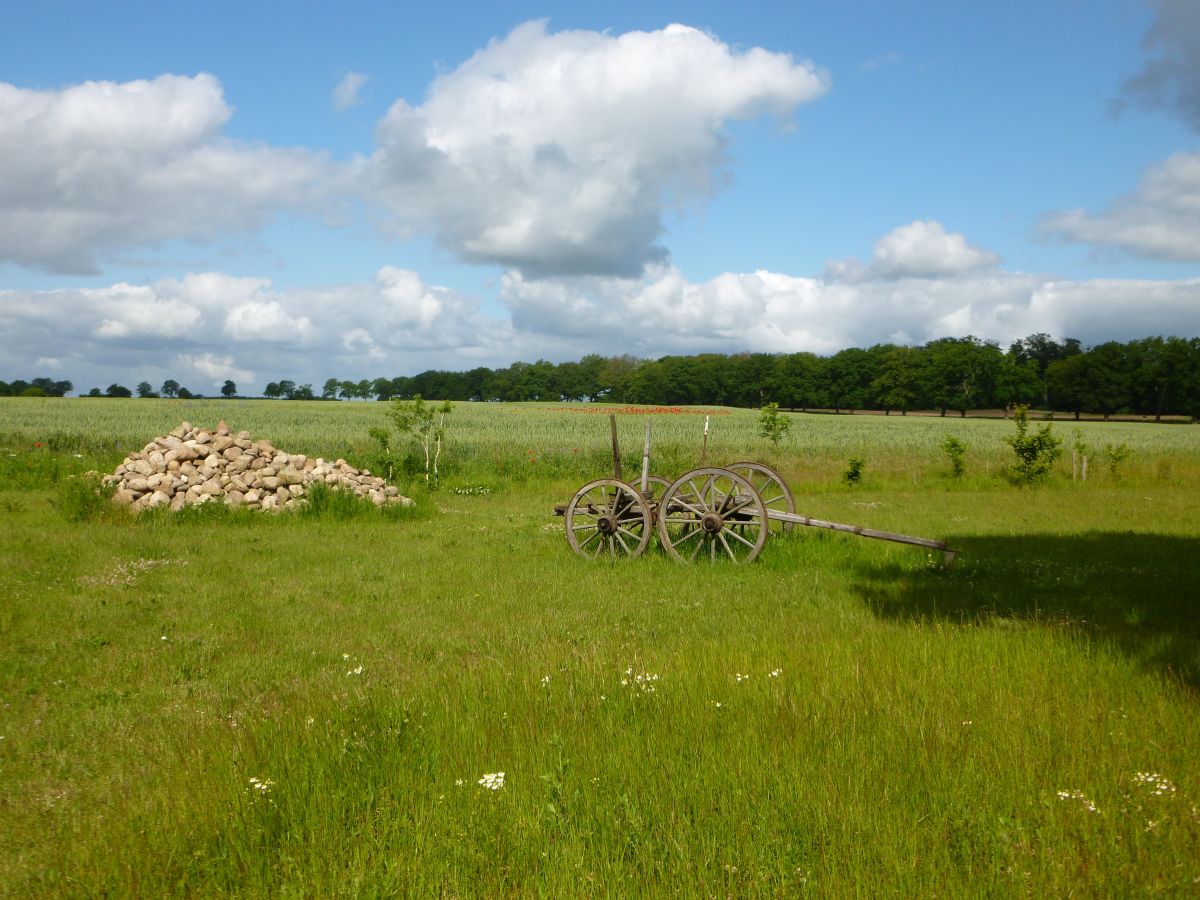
point(191, 465)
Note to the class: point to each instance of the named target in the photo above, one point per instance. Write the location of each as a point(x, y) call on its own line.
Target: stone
point(191, 466)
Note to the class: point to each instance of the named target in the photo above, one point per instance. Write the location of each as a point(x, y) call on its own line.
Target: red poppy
point(37, 444)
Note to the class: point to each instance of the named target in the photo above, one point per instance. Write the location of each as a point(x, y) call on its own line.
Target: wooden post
point(704, 448)
point(646, 461)
point(612, 424)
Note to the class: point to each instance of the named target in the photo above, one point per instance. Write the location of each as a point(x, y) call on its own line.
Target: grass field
point(222, 703)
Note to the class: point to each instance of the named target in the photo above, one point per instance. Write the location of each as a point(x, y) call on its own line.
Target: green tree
point(772, 424)
point(897, 384)
point(1035, 452)
point(961, 372)
point(52, 388)
point(228, 389)
point(272, 391)
point(170, 388)
point(425, 424)
point(1018, 382)
point(616, 378)
point(330, 389)
point(116, 390)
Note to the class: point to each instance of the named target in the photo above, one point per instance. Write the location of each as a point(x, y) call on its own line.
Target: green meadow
point(220, 702)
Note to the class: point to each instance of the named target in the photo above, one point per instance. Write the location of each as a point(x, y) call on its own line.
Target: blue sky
point(187, 198)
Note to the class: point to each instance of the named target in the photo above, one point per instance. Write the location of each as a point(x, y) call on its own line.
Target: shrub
point(1035, 452)
point(956, 450)
point(771, 425)
point(1117, 455)
point(854, 471)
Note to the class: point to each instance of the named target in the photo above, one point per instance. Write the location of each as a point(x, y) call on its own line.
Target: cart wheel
point(712, 513)
point(656, 483)
point(607, 518)
point(771, 487)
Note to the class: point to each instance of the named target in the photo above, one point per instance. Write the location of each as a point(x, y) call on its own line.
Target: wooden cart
point(713, 512)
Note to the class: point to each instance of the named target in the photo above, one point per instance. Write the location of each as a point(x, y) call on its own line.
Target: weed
point(854, 471)
point(1035, 452)
point(1117, 455)
point(956, 451)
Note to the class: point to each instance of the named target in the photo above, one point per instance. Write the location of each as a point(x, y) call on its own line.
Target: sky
point(294, 190)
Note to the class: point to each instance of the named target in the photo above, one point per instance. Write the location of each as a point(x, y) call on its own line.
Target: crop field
point(445, 701)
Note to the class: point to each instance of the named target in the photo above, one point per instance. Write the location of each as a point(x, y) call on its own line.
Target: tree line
point(1151, 376)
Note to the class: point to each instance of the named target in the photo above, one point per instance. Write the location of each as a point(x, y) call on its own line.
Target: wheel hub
point(712, 523)
point(607, 524)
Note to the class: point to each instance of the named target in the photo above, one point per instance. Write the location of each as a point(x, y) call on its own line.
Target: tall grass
point(227, 703)
point(512, 444)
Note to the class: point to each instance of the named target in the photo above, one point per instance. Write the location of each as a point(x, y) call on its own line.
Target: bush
point(854, 471)
point(771, 425)
point(1035, 452)
point(956, 450)
point(1116, 454)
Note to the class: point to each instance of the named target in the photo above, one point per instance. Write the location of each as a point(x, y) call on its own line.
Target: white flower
point(1157, 783)
point(260, 787)
point(356, 671)
point(545, 679)
point(493, 781)
point(775, 673)
point(1081, 797)
point(740, 677)
point(346, 656)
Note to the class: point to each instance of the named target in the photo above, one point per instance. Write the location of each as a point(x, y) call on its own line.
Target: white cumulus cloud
point(558, 153)
point(213, 368)
point(100, 166)
point(922, 283)
point(921, 249)
point(1160, 219)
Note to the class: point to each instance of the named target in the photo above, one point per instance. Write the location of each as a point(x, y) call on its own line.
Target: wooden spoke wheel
point(655, 483)
point(608, 519)
point(771, 487)
point(713, 514)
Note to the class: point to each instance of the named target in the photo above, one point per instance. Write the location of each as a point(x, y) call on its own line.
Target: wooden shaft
point(778, 516)
point(612, 424)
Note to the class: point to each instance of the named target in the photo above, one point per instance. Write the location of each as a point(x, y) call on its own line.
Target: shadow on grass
point(1139, 591)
